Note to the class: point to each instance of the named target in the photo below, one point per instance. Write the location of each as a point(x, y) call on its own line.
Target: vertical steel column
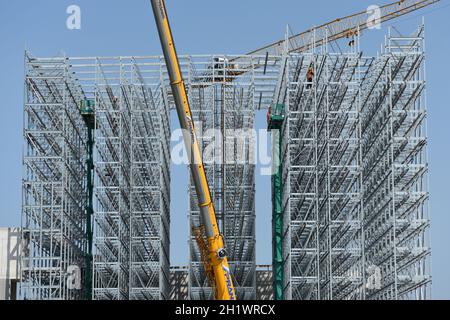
point(275, 119)
point(277, 217)
point(87, 112)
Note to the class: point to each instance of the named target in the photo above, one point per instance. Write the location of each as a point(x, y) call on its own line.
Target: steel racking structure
point(131, 176)
point(53, 215)
point(353, 180)
point(264, 283)
point(131, 224)
point(355, 173)
point(179, 284)
point(395, 167)
point(132, 99)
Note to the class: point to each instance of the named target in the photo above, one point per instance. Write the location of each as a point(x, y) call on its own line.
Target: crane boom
point(215, 245)
point(331, 31)
point(342, 27)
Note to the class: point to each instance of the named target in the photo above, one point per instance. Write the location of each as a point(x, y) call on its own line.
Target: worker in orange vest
point(310, 76)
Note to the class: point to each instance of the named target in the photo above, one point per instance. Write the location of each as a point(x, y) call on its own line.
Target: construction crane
point(343, 27)
point(210, 241)
point(216, 256)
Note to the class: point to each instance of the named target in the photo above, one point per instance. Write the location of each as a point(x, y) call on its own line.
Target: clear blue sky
point(210, 26)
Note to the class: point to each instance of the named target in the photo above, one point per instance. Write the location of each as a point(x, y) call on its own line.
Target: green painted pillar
point(87, 112)
point(275, 119)
point(89, 213)
point(277, 219)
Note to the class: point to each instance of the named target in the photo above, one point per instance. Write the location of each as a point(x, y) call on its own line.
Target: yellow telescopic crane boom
point(216, 252)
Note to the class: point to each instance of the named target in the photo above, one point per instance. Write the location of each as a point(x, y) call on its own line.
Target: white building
point(9, 262)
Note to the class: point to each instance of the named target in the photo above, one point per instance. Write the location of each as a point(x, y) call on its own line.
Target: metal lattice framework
point(131, 161)
point(395, 170)
point(53, 215)
point(354, 171)
point(223, 98)
point(355, 174)
point(264, 283)
point(179, 283)
point(131, 256)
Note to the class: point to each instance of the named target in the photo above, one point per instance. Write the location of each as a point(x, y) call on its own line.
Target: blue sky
point(210, 26)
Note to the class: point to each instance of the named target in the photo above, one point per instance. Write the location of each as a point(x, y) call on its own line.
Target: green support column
point(87, 112)
point(275, 122)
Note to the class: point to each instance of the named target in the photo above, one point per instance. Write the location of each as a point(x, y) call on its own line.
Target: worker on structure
point(268, 115)
point(351, 34)
point(310, 76)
